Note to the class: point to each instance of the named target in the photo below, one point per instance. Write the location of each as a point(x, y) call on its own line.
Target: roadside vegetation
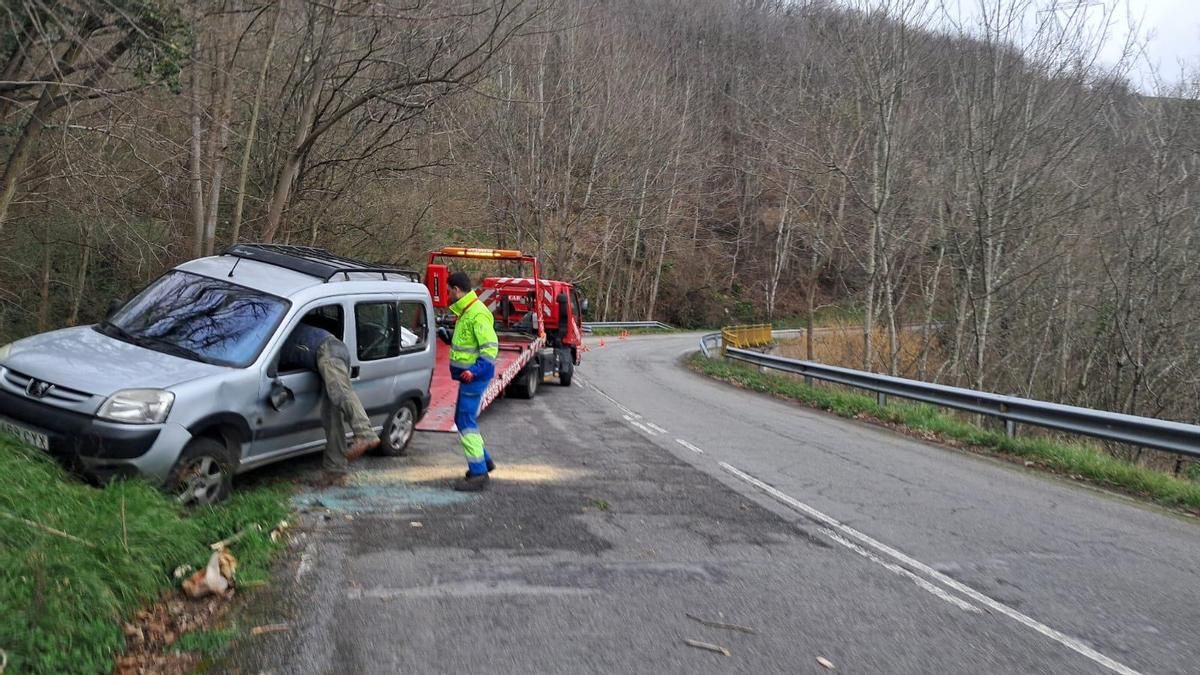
point(1077, 461)
point(616, 332)
point(76, 562)
point(704, 163)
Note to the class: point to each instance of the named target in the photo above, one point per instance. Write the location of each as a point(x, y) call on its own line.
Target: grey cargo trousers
point(340, 407)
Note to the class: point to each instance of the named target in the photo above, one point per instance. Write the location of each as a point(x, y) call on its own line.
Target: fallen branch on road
point(718, 624)
point(707, 646)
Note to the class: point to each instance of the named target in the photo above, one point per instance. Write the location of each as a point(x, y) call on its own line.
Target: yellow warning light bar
point(480, 252)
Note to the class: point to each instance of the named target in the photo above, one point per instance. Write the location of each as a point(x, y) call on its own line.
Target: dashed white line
point(639, 425)
point(689, 446)
point(833, 524)
point(655, 427)
point(614, 401)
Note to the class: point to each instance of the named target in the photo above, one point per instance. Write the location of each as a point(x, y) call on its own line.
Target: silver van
point(184, 386)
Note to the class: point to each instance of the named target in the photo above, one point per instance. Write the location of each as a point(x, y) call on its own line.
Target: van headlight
point(138, 406)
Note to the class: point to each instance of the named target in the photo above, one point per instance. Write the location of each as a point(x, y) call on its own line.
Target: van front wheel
point(203, 475)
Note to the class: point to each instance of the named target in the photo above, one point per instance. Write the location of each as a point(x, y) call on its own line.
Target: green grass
point(613, 332)
point(62, 601)
point(823, 317)
point(209, 641)
point(1074, 460)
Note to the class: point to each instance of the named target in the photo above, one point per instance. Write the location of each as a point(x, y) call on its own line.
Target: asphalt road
point(646, 494)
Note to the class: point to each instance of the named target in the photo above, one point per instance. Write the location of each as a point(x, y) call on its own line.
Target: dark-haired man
point(473, 351)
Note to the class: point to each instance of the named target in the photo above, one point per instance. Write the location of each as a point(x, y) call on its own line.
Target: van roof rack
point(315, 262)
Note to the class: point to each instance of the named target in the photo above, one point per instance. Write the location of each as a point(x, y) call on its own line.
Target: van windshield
point(199, 318)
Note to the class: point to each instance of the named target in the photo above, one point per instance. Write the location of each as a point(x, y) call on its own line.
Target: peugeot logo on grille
point(38, 389)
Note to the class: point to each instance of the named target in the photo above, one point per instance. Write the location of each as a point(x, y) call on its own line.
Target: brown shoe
point(360, 448)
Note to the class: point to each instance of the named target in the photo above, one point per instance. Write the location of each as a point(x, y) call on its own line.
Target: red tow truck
point(539, 323)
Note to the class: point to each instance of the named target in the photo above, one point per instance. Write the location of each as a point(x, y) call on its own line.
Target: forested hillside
point(701, 162)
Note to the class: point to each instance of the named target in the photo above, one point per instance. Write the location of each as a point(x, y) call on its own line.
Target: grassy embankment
point(1077, 461)
point(76, 561)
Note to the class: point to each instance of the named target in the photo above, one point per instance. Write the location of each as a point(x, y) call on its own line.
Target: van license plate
point(25, 434)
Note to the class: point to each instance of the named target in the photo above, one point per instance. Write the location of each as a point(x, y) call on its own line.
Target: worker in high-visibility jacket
point(473, 351)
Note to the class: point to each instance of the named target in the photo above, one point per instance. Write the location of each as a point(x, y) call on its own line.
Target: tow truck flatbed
point(515, 354)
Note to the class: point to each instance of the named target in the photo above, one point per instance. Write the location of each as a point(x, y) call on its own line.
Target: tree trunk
point(81, 277)
point(666, 230)
point(872, 286)
point(43, 315)
point(302, 140)
point(220, 140)
point(810, 290)
point(244, 169)
point(47, 104)
point(197, 189)
point(627, 304)
point(783, 244)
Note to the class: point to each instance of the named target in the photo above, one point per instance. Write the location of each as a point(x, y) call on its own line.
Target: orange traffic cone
point(601, 342)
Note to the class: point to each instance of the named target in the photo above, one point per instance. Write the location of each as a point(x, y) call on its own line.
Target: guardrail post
point(1010, 428)
point(881, 399)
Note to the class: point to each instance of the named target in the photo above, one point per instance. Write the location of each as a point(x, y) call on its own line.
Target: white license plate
point(25, 434)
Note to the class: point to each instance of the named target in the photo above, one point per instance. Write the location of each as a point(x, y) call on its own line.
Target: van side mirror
point(114, 306)
point(281, 397)
point(583, 306)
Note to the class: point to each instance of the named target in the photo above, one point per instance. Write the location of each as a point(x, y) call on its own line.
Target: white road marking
point(614, 401)
point(655, 427)
point(639, 425)
point(689, 446)
point(893, 567)
point(1064, 640)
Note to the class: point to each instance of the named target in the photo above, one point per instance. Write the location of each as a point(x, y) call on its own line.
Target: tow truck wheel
point(398, 430)
point(566, 367)
point(203, 475)
point(526, 387)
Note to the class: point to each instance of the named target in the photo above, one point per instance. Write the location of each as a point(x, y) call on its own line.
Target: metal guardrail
point(1175, 437)
point(588, 326)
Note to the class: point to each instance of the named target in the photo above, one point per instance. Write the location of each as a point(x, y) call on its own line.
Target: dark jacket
point(304, 344)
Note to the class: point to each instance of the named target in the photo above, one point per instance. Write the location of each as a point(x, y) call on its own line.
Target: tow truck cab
point(542, 316)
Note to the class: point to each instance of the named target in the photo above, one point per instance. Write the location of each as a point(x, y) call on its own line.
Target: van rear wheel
point(203, 474)
point(398, 430)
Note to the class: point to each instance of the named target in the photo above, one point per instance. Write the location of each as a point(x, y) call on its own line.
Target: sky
point(1167, 31)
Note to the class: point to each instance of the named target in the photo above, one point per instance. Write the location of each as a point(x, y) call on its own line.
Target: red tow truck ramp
point(514, 356)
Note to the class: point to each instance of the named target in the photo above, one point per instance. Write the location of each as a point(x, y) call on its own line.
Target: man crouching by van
point(320, 351)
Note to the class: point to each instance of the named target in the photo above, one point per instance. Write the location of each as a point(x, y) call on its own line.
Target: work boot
point(491, 466)
point(472, 483)
point(360, 448)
